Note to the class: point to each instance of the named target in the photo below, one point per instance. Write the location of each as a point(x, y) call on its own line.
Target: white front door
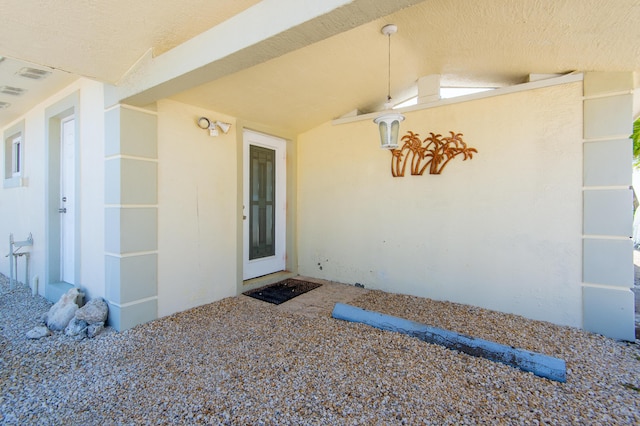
point(265, 203)
point(67, 200)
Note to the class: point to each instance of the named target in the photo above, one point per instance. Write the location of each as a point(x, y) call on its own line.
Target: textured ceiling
point(35, 90)
point(101, 40)
point(104, 39)
point(470, 43)
point(484, 43)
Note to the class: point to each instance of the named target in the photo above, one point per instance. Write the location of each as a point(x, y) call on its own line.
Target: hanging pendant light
point(389, 121)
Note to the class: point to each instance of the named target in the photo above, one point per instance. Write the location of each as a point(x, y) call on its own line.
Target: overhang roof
point(284, 63)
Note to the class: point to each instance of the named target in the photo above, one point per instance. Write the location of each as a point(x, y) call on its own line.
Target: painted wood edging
point(539, 364)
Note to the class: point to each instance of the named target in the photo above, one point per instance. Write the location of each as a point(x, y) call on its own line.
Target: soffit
point(104, 39)
point(489, 43)
point(34, 91)
point(101, 40)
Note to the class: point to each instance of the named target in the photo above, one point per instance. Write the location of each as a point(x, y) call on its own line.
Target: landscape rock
point(38, 332)
point(94, 329)
point(95, 311)
point(205, 366)
point(76, 327)
point(64, 310)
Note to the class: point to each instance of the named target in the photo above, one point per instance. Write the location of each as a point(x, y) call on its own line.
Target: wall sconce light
point(389, 121)
point(213, 126)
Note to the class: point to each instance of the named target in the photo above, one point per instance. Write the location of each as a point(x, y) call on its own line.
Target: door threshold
point(53, 291)
point(257, 282)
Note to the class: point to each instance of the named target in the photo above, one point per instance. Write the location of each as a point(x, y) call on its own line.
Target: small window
point(14, 156)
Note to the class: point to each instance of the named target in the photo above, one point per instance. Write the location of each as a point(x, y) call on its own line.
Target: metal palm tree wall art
point(434, 153)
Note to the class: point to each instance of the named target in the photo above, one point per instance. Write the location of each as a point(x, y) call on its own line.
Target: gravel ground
point(239, 361)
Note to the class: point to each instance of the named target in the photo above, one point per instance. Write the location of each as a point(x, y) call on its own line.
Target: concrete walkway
point(319, 301)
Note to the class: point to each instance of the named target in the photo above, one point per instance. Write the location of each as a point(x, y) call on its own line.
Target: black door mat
point(282, 291)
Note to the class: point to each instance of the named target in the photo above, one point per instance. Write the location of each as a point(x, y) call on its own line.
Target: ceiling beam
point(265, 31)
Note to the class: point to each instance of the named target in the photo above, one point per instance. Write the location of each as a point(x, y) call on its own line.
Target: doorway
point(67, 199)
point(264, 204)
point(62, 193)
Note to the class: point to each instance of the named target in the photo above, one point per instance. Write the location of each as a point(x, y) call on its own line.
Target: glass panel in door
point(262, 202)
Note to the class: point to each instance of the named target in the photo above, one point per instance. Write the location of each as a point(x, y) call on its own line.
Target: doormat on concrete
point(282, 291)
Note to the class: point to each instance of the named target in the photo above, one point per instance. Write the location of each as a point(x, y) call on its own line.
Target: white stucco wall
point(92, 264)
point(501, 231)
point(197, 205)
point(23, 208)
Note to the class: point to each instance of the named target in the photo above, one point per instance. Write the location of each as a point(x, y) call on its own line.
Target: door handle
point(62, 210)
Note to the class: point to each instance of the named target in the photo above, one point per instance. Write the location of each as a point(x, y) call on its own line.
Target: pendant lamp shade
point(389, 121)
point(389, 127)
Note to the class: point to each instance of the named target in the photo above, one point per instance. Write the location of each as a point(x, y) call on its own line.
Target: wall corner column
point(131, 215)
point(607, 259)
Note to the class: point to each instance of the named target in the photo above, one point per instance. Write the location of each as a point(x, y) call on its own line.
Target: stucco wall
point(636, 95)
point(23, 208)
point(197, 205)
point(501, 231)
point(91, 256)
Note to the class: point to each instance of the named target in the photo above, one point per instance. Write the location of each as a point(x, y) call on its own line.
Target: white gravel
point(239, 361)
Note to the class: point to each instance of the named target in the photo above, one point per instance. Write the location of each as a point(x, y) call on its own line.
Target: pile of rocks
point(67, 315)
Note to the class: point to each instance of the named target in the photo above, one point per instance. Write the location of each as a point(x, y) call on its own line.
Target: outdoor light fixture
point(213, 126)
point(389, 121)
point(223, 126)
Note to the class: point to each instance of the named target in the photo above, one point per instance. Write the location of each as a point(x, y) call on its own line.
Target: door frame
point(54, 116)
point(277, 263)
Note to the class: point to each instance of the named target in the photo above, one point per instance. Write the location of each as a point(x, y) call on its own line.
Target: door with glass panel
point(264, 207)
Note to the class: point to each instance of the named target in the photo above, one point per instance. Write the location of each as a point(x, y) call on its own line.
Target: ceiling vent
point(33, 73)
point(4, 105)
point(15, 91)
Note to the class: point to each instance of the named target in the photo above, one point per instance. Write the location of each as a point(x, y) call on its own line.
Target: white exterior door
point(264, 210)
point(67, 200)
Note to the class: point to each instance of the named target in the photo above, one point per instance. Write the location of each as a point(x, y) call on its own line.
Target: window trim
point(14, 156)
